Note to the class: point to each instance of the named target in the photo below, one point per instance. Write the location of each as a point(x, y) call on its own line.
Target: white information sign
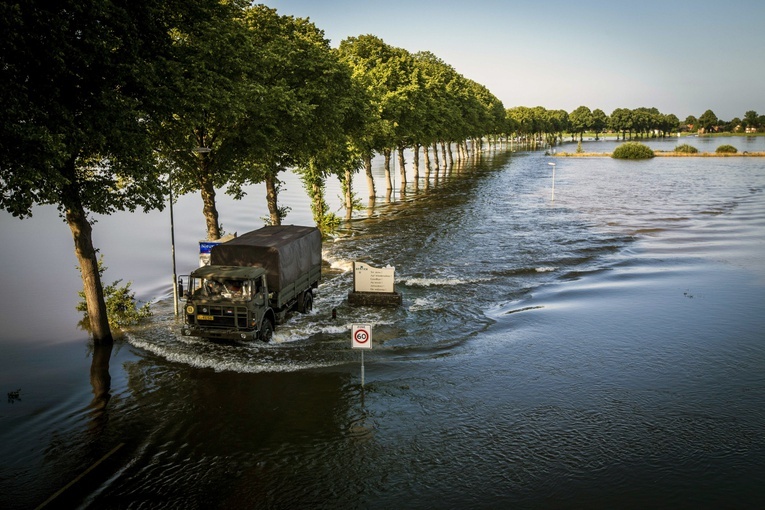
point(361, 336)
point(372, 279)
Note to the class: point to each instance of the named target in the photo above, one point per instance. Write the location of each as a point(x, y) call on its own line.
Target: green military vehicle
point(252, 282)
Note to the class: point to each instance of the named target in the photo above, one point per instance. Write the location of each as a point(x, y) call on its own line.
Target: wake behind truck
point(252, 282)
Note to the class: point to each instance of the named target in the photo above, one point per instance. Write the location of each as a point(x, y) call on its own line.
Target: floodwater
point(602, 350)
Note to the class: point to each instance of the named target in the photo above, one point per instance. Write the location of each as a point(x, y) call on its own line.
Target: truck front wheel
point(267, 331)
point(306, 303)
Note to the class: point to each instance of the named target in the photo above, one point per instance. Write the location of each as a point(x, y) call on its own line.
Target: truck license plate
point(204, 317)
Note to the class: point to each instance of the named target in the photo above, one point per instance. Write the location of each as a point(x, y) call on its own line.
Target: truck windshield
point(227, 288)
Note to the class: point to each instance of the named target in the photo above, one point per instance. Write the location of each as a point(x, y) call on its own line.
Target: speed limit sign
point(361, 336)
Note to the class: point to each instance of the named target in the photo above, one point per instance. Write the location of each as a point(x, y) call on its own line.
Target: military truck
point(252, 282)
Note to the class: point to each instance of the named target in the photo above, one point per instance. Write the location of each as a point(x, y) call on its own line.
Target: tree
point(295, 108)
point(82, 86)
point(668, 123)
point(599, 121)
point(366, 55)
point(708, 120)
point(581, 121)
point(621, 120)
point(751, 119)
point(215, 74)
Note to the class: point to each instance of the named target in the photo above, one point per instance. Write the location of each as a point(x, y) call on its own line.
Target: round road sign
point(361, 336)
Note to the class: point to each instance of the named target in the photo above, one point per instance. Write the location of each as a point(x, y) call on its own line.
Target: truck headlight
point(190, 309)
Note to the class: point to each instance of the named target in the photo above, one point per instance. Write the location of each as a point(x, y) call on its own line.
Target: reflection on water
point(604, 350)
point(101, 382)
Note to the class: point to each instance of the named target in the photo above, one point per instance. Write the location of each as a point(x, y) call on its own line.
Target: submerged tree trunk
point(272, 195)
point(416, 165)
point(348, 192)
point(370, 178)
point(317, 201)
point(435, 157)
point(388, 184)
point(87, 259)
point(402, 168)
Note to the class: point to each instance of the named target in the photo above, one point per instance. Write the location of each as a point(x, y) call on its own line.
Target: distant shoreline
point(665, 154)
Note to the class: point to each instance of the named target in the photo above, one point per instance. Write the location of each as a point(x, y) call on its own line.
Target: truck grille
point(228, 317)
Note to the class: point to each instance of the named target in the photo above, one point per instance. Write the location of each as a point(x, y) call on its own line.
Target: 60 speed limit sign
point(361, 336)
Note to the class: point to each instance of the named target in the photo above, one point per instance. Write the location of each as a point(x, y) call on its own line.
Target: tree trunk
point(272, 192)
point(347, 185)
point(370, 178)
point(402, 169)
point(317, 201)
point(388, 184)
point(416, 165)
point(209, 209)
point(443, 152)
point(435, 156)
point(87, 258)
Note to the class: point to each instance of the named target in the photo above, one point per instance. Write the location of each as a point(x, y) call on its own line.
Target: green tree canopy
point(82, 87)
point(751, 119)
point(580, 120)
point(708, 120)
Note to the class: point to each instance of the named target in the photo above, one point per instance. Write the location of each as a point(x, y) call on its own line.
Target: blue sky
point(680, 56)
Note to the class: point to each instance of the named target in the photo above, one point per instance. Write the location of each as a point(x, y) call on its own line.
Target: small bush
point(726, 149)
point(632, 150)
point(686, 149)
point(121, 308)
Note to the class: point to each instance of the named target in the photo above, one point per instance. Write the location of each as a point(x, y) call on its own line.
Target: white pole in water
point(553, 182)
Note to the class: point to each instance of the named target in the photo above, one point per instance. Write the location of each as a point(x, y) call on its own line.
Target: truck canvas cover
point(285, 252)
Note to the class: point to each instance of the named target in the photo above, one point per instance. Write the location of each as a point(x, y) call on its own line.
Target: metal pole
point(362, 367)
point(172, 245)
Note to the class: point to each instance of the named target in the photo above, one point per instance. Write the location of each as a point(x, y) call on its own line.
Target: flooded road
point(605, 349)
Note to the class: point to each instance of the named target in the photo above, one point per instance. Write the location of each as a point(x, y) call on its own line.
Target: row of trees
point(539, 122)
point(263, 92)
point(109, 105)
point(708, 122)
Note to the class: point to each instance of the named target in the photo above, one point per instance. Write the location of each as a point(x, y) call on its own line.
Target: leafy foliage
point(632, 150)
point(686, 149)
point(121, 307)
point(726, 149)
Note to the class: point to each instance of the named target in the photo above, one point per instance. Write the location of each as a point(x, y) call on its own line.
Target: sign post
point(361, 338)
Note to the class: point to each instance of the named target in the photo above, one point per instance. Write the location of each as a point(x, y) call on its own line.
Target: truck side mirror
point(180, 288)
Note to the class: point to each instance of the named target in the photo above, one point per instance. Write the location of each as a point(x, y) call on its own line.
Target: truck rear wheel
point(267, 331)
point(306, 302)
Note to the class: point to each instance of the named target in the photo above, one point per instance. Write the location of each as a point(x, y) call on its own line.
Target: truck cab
point(228, 302)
